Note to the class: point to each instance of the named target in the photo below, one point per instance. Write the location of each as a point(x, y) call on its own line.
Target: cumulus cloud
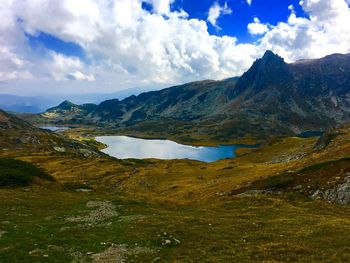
point(61, 67)
point(215, 11)
point(12, 67)
point(257, 28)
point(326, 31)
point(161, 6)
point(126, 45)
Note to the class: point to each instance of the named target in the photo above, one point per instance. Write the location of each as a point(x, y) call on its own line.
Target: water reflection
point(124, 147)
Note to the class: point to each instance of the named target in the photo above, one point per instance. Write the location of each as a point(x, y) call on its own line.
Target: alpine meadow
point(174, 131)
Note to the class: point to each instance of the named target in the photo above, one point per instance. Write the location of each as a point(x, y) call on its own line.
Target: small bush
point(15, 173)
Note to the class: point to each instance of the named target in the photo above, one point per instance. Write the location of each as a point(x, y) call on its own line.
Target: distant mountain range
point(271, 98)
point(38, 104)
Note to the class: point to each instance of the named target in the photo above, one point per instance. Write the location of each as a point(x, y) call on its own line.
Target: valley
point(175, 210)
point(64, 200)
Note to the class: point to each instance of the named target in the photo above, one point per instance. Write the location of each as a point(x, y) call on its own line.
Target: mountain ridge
point(276, 97)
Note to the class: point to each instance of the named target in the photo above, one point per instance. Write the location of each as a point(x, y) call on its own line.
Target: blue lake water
point(54, 128)
point(123, 147)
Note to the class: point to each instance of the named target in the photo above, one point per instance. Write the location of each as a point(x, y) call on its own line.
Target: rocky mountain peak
point(270, 70)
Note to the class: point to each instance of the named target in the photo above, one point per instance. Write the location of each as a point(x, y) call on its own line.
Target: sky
point(104, 46)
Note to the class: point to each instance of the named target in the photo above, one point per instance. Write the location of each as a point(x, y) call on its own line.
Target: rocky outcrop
point(339, 194)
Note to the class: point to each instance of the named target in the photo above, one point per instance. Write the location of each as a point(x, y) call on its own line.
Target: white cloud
point(326, 31)
point(12, 67)
point(128, 46)
point(257, 28)
point(216, 11)
point(61, 67)
point(77, 75)
point(161, 6)
point(249, 2)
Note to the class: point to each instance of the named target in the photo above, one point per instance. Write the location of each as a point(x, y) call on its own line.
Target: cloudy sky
point(74, 46)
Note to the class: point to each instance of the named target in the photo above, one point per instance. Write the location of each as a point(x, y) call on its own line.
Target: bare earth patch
point(103, 210)
point(118, 254)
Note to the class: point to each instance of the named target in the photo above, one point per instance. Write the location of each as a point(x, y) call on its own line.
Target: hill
point(266, 205)
point(17, 135)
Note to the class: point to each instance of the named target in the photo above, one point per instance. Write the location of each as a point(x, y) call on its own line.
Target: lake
point(123, 147)
point(54, 128)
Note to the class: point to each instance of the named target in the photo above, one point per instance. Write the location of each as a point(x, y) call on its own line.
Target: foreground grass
point(34, 228)
point(101, 209)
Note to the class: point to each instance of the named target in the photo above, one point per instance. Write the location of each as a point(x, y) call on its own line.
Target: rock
point(59, 149)
point(102, 211)
point(36, 252)
point(86, 153)
point(317, 195)
point(166, 242)
point(340, 194)
point(298, 187)
point(118, 253)
point(177, 241)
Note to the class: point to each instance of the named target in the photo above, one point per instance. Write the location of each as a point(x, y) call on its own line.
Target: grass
point(322, 165)
point(16, 173)
point(250, 229)
point(277, 181)
point(183, 200)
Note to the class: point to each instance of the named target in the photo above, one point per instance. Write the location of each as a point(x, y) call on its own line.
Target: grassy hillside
point(253, 208)
point(14, 173)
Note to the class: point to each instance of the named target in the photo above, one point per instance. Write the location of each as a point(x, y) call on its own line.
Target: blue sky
point(98, 46)
point(235, 24)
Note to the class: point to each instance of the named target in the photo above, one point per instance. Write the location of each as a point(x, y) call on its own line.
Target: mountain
point(20, 136)
point(271, 98)
point(312, 94)
point(24, 104)
point(38, 104)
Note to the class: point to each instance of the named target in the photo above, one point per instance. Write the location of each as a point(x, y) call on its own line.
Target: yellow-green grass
point(248, 229)
point(194, 202)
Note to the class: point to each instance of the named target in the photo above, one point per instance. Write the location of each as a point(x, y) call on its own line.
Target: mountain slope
point(272, 97)
point(18, 135)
